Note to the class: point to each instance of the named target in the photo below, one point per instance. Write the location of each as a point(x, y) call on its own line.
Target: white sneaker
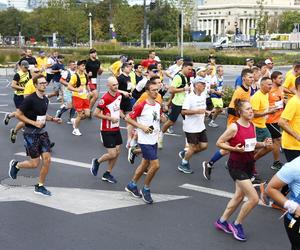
point(76, 132)
point(73, 122)
point(213, 124)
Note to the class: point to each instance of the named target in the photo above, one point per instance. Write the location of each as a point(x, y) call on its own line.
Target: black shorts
point(49, 78)
point(36, 144)
point(209, 104)
point(274, 130)
point(111, 139)
point(240, 171)
point(196, 138)
point(175, 112)
point(291, 154)
point(18, 100)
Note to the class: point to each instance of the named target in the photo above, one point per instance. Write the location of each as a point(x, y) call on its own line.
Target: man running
point(108, 110)
point(146, 117)
point(33, 112)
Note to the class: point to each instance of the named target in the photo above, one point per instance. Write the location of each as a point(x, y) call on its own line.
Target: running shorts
point(111, 139)
point(36, 144)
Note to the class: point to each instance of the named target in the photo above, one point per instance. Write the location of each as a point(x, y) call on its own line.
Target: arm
point(222, 142)
point(15, 86)
point(63, 82)
point(138, 125)
point(20, 116)
point(284, 124)
point(270, 111)
point(98, 113)
point(192, 112)
point(174, 90)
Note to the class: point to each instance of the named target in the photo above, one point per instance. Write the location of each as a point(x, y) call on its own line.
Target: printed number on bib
point(250, 144)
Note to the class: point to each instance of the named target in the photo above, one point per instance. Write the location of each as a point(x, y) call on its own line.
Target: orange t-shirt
point(144, 97)
point(276, 97)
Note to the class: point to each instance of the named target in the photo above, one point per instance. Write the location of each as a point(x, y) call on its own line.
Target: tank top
point(246, 137)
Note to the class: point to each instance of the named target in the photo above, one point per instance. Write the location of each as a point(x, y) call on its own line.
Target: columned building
point(218, 17)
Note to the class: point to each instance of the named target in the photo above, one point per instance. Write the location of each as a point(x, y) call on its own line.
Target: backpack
point(78, 82)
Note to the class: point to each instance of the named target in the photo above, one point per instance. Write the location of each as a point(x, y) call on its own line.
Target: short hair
point(275, 74)
point(296, 65)
point(150, 83)
point(238, 104)
point(187, 63)
point(151, 51)
point(137, 65)
point(254, 69)
point(35, 79)
point(245, 72)
point(71, 61)
point(261, 64)
point(130, 58)
point(297, 83)
point(265, 78)
point(219, 67)
point(152, 79)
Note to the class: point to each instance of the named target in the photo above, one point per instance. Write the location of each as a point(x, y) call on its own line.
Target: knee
point(155, 166)
point(35, 163)
point(47, 160)
point(254, 199)
point(204, 146)
point(114, 154)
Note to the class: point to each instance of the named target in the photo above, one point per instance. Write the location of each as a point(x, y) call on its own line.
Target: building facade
point(219, 17)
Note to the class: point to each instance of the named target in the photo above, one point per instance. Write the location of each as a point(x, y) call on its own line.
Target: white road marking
point(79, 201)
point(63, 161)
point(212, 191)
point(176, 135)
point(3, 94)
point(3, 105)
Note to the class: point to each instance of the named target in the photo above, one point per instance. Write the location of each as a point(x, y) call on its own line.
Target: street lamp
point(19, 34)
point(90, 17)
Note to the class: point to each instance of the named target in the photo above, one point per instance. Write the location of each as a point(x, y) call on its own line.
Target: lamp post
point(90, 18)
point(19, 35)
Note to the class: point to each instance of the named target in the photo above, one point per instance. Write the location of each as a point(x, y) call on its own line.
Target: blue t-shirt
point(56, 76)
point(218, 87)
point(290, 174)
point(238, 82)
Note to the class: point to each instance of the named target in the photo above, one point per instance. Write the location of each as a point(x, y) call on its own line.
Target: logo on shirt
point(155, 116)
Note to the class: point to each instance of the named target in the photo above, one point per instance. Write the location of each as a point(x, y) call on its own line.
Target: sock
point(40, 184)
point(17, 167)
point(217, 156)
point(72, 113)
point(235, 223)
point(222, 220)
point(184, 161)
point(146, 187)
point(62, 110)
point(133, 183)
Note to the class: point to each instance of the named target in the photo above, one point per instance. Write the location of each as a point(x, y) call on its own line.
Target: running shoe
point(41, 190)
point(52, 144)
point(185, 168)
point(181, 154)
point(256, 181)
point(58, 113)
point(76, 132)
point(6, 119)
point(213, 124)
point(69, 122)
point(94, 167)
point(13, 135)
point(224, 226)
point(206, 170)
point(263, 195)
point(13, 170)
point(238, 231)
point(132, 189)
point(109, 178)
point(146, 195)
point(131, 155)
point(277, 165)
point(170, 130)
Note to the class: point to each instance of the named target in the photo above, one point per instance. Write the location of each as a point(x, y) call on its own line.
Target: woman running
point(240, 140)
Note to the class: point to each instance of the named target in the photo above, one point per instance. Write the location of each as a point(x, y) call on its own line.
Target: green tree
point(287, 20)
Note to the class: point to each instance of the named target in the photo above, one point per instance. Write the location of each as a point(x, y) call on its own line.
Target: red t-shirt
point(110, 105)
point(146, 62)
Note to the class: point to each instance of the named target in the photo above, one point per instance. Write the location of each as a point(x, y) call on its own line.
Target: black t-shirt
point(125, 85)
point(31, 60)
point(92, 66)
point(138, 78)
point(32, 107)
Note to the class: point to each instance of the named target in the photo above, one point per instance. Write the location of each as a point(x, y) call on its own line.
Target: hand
point(90, 73)
point(57, 120)
point(239, 148)
point(39, 124)
point(80, 90)
point(146, 129)
point(297, 212)
point(114, 120)
point(272, 110)
point(126, 94)
point(187, 88)
point(268, 142)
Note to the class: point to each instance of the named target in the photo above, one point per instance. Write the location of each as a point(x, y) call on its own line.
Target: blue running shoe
point(109, 178)
point(132, 189)
point(146, 195)
point(185, 168)
point(181, 154)
point(13, 170)
point(238, 232)
point(94, 167)
point(224, 226)
point(41, 190)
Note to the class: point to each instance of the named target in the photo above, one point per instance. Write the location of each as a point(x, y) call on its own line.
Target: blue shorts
point(36, 144)
point(149, 152)
point(18, 100)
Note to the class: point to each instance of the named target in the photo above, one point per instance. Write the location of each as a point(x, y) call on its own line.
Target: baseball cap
point(81, 62)
point(249, 59)
point(60, 57)
point(25, 64)
point(152, 67)
point(198, 79)
point(92, 51)
point(199, 69)
point(267, 61)
point(42, 52)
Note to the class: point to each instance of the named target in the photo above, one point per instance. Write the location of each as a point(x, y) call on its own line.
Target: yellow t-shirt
point(289, 82)
point(115, 67)
point(260, 103)
point(41, 64)
point(22, 80)
point(29, 88)
point(132, 80)
point(292, 114)
point(83, 81)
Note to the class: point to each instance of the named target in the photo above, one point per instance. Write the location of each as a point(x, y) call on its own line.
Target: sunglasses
point(155, 71)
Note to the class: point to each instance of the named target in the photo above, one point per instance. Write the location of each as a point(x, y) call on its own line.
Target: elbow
point(281, 123)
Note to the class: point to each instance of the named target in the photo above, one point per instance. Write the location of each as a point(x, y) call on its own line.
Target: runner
point(150, 60)
point(193, 110)
point(78, 85)
point(240, 140)
point(19, 82)
point(289, 175)
point(147, 115)
point(57, 69)
point(52, 59)
point(242, 93)
point(33, 112)
point(256, 80)
point(179, 88)
point(108, 110)
point(276, 100)
point(115, 68)
point(42, 62)
point(289, 83)
point(249, 65)
point(93, 68)
point(175, 68)
point(29, 58)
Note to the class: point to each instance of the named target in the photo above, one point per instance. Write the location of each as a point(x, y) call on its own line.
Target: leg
point(111, 154)
point(262, 152)
point(94, 97)
point(166, 125)
point(112, 162)
point(45, 167)
point(140, 170)
point(276, 149)
point(32, 163)
point(153, 168)
point(19, 126)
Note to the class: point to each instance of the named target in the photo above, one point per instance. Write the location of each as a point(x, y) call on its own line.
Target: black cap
point(81, 62)
point(92, 51)
point(152, 67)
point(125, 64)
point(177, 58)
point(60, 57)
point(212, 56)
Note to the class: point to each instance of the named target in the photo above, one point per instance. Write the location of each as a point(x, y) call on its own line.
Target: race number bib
point(129, 85)
point(279, 104)
point(94, 80)
point(41, 118)
point(250, 144)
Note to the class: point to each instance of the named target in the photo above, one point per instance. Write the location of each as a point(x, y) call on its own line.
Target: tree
point(262, 18)
point(287, 20)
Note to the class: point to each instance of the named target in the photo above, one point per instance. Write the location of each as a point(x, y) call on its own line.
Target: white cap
point(198, 79)
point(267, 61)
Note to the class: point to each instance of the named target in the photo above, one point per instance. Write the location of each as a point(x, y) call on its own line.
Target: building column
point(207, 27)
point(219, 26)
point(247, 26)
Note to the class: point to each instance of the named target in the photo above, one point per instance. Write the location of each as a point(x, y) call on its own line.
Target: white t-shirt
point(194, 123)
point(141, 84)
point(174, 69)
point(50, 61)
point(148, 115)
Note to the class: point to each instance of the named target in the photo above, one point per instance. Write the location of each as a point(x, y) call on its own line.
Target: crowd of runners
point(263, 117)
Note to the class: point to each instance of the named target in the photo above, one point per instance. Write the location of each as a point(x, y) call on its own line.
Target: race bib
point(129, 85)
point(94, 80)
point(219, 88)
point(83, 92)
point(117, 116)
point(250, 144)
point(279, 104)
point(41, 118)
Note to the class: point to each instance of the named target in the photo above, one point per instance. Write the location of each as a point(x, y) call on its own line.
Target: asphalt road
point(86, 213)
